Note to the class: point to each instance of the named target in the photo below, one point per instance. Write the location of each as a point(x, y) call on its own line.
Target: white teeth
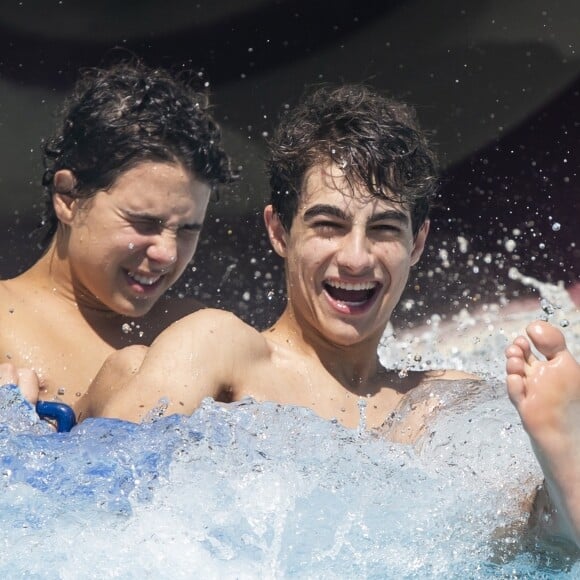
point(144, 280)
point(347, 286)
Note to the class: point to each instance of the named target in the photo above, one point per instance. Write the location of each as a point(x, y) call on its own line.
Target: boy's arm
point(193, 359)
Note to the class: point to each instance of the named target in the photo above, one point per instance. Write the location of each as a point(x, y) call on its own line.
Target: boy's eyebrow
point(390, 214)
point(332, 210)
point(324, 209)
point(139, 214)
point(144, 215)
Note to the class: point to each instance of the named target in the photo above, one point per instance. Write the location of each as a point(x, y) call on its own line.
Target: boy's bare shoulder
point(214, 318)
point(220, 328)
point(11, 289)
point(19, 307)
point(24, 296)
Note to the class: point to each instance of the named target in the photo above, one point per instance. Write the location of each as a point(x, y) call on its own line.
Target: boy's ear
point(419, 242)
point(64, 204)
point(276, 231)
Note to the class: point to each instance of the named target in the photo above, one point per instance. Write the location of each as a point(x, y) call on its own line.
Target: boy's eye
point(327, 224)
point(146, 226)
point(327, 228)
point(392, 228)
point(189, 230)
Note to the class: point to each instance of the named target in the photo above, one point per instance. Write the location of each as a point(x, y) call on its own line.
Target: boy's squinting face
point(130, 243)
point(348, 257)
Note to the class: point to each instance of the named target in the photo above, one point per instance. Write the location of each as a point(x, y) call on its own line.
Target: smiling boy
point(128, 176)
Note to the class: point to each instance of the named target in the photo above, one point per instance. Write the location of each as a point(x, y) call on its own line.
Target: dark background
point(496, 83)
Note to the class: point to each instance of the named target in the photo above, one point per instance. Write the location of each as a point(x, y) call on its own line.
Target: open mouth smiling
point(351, 297)
point(143, 281)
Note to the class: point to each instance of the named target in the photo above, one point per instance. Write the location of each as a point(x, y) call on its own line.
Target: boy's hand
point(24, 378)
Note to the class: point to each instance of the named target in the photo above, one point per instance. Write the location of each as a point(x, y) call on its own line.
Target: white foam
point(254, 491)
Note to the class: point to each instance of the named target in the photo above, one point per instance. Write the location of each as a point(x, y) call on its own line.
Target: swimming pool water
point(262, 491)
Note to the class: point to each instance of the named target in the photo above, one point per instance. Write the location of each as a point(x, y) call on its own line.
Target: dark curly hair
point(374, 139)
point(120, 116)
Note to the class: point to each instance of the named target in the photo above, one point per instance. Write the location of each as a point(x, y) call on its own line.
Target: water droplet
point(510, 245)
point(564, 323)
point(556, 227)
point(463, 244)
point(547, 307)
point(126, 328)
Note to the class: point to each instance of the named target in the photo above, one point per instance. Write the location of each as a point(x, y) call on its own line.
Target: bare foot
point(546, 394)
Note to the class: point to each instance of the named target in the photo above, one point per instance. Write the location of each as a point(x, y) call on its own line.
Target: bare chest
point(296, 383)
point(63, 350)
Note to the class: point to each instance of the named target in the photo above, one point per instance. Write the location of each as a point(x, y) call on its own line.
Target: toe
point(516, 388)
point(521, 348)
point(546, 338)
point(514, 350)
point(515, 365)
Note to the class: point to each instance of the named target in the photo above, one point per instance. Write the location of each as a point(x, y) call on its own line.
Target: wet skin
point(546, 394)
point(99, 286)
point(139, 235)
point(348, 257)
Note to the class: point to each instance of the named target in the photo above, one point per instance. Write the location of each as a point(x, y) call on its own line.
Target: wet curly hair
point(374, 139)
point(119, 116)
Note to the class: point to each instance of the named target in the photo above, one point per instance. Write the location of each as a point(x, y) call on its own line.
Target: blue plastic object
point(60, 412)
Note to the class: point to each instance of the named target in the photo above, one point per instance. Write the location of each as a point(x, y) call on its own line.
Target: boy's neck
point(355, 366)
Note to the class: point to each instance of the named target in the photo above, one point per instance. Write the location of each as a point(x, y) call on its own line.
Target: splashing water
point(475, 341)
point(253, 490)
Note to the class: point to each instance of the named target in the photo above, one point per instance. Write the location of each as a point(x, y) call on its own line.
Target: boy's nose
point(163, 249)
point(355, 253)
